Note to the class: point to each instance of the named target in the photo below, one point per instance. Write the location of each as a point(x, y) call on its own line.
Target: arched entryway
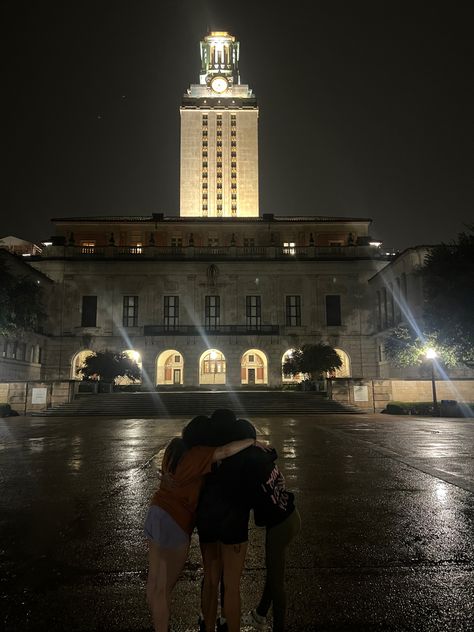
point(345, 369)
point(290, 379)
point(254, 368)
point(78, 362)
point(212, 367)
point(133, 355)
point(170, 368)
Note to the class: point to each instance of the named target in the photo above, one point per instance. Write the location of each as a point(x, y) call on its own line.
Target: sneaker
point(253, 619)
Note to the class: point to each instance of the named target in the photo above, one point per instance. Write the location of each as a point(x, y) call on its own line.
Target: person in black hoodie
point(250, 480)
point(274, 508)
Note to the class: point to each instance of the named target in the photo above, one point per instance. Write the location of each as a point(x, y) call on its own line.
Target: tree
point(21, 302)
point(404, 347)
point(107, 365)
point(448, 281)
point(312, 359)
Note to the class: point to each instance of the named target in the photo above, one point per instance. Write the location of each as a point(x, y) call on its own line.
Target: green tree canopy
point(21, 302)
point(107, 365)
point(313, 359)
point(448, 281)
point(406, 348)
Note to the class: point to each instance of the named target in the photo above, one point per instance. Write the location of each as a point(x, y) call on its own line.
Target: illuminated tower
point(219, 137)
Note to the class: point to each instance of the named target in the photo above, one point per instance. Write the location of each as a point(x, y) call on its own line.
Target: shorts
point(229, 528)
point(163, 530)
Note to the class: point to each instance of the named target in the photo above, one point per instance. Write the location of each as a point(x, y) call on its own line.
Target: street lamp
point(431, 355)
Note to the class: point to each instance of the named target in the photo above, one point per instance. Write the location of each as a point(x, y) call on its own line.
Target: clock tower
point(219, 137)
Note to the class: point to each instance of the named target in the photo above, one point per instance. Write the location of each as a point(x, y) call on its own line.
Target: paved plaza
point(387, 506)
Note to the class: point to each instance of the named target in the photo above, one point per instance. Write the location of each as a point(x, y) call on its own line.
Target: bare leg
point(233, 558)
point(165, 565)
point(211, 562)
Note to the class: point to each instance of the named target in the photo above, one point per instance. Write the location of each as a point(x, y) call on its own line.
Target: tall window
point(293, 311)
point(253, 312)
point(89, 311)
point(212, 312)
point(333, 310)
point(130, 311)
point(171, 312)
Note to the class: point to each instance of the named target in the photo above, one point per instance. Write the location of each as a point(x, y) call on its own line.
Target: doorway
point(250, 376)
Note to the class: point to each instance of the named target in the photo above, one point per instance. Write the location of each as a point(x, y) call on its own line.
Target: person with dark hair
point(222, 522)
point(274, 508)
point(171, 517)
point(250, 479)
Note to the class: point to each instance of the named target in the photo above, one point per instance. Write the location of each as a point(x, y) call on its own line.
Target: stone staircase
point(191, 403)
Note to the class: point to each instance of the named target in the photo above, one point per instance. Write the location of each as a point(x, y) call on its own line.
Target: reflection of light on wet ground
point(441, 492)
point(37, 444)
point(289, 450)
point(75, 461)
point(436, 449)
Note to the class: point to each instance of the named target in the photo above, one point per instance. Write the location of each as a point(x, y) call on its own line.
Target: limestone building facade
point(221, 294)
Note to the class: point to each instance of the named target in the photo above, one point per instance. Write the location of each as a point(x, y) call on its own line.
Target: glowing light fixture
point(377, 244)
point(431, 353)
point(213, 355)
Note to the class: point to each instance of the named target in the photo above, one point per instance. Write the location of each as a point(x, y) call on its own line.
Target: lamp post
point(431, 355)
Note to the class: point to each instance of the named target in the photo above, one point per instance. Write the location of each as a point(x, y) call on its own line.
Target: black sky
point(365, 109)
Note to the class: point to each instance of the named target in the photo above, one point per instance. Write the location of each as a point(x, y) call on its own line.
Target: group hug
point(211, 478)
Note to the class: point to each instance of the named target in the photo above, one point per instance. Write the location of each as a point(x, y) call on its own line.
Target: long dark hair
point(172, 456)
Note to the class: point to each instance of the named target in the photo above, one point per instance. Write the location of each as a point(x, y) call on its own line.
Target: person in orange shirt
point(171, 518)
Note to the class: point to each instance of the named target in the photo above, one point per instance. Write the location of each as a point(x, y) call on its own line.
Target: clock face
point(219, 84)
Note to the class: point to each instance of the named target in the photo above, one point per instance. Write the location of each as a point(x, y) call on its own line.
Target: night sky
point(366, 110)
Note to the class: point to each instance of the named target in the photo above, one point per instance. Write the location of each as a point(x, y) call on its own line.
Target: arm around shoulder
point(225, 451)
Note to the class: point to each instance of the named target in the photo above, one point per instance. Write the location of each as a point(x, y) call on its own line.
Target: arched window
point(170, 368)
point(212, 367)
point(78, 362)
point(254, 367)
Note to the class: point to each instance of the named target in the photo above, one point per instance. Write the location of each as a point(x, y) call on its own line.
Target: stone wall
point(374, 395)
point(36, 396)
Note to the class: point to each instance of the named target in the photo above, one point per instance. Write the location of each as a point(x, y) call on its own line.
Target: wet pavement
point(387, 506)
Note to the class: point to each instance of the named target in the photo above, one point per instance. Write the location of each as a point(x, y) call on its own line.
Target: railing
point(286, 253)
point(221, 330)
